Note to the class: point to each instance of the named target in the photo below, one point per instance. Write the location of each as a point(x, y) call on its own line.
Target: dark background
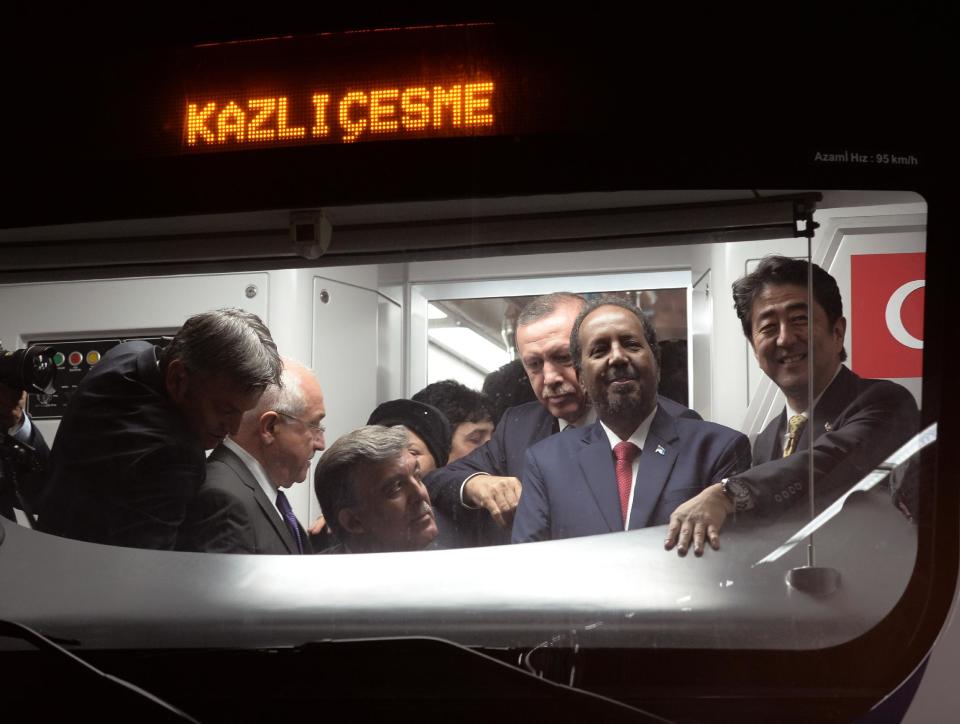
point(715, 98)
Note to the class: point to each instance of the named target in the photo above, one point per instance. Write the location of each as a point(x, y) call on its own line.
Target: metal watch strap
point(738, 493)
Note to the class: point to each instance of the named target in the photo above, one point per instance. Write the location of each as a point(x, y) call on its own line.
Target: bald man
point(241, 507)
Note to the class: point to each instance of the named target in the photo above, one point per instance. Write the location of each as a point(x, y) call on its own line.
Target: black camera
point(21, 465)
point(31, 369)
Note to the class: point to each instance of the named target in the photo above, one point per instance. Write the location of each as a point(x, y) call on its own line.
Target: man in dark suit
point(637, 462)
point(129, 455)
point(241, 507)
point(856, 424)
point(480, 491)
point(371, 493)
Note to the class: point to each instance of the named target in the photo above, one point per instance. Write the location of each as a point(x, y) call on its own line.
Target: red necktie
point(624, 453)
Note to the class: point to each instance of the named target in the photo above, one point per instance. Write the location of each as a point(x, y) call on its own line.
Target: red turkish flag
point(887, 314)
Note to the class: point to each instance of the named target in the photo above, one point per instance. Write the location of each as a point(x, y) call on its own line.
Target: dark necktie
point(623, 453)
point(284, 506)
point(794, 428)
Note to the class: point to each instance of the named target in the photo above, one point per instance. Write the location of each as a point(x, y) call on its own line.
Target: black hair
point(776, 269)
point(610, 301)
point(229, 342)
point(508, 386)
point(546, 305)
point(457, 401)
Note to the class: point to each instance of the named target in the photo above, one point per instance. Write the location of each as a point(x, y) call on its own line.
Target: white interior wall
point(305, 329)
point(365, 349)
point(345, 333)
point(120, 307)
point(746, 399)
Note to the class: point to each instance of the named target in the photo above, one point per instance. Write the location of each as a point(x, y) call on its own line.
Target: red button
point(75, 358)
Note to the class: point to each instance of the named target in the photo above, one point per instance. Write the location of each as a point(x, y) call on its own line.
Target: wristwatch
point(738, 493)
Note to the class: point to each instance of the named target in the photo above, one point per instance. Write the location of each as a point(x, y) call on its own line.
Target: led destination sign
point(348, 114)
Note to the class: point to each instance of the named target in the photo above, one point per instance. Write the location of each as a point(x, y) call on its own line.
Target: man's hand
point(701, 516)
point(500, 496)
point(318, 525)
point(11, 407)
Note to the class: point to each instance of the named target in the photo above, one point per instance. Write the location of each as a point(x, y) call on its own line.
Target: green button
point(58, 359)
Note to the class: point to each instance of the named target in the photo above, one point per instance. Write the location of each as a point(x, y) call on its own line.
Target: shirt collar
point(639, 436)
point(588, 417)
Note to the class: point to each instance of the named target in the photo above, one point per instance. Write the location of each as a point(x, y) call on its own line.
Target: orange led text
point(353, 115)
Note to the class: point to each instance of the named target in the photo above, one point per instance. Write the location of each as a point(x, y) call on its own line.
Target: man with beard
point(632, 467)
point(481, 490)
point(369, 487)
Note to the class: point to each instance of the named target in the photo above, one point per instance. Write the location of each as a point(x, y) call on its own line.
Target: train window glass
point(744, 378)
point(478, 336)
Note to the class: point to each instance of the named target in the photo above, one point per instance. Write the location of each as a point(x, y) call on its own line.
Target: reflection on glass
point(470, 338)
point(750, 377)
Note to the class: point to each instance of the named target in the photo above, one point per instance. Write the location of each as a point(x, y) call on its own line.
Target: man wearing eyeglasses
point(241, 507)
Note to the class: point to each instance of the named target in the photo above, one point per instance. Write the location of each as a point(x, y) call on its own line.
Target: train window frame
point(770, 144)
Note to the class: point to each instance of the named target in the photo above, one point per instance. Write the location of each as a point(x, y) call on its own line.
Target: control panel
point(74, 359)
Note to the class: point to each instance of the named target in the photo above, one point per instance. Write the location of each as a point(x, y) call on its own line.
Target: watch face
point(738, 493)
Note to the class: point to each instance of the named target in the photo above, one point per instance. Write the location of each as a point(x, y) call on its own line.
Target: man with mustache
point(481, 490)
point(241, 506)
point(856, 423)
point(371, 494)
point(633, 466)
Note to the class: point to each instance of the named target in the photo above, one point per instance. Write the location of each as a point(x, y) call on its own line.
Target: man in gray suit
point(241, 507)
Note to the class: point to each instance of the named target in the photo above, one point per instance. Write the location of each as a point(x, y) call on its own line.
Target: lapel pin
point(827, 426)
point(660, 450)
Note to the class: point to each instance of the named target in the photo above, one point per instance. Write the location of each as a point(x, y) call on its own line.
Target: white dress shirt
point(638, 438)
point(254, 466)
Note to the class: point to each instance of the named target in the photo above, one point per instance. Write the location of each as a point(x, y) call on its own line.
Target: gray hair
point(337, 470)
point(229, 342)
point(547, 304)
point(287, 398)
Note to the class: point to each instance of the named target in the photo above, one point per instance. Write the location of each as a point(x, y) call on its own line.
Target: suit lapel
point(270, 512)
point(596, 464)
point(830, 405)
point(545, 425)
point(656, 461)
point(835, 398)
point(769, 444)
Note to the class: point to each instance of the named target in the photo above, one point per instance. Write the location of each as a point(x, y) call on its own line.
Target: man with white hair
point(241, 507)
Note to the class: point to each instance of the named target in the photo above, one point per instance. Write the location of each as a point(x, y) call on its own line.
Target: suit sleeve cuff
point(463, 485)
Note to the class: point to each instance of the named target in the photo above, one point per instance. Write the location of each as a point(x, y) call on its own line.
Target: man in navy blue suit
point(480, 491)
point(633, 466)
